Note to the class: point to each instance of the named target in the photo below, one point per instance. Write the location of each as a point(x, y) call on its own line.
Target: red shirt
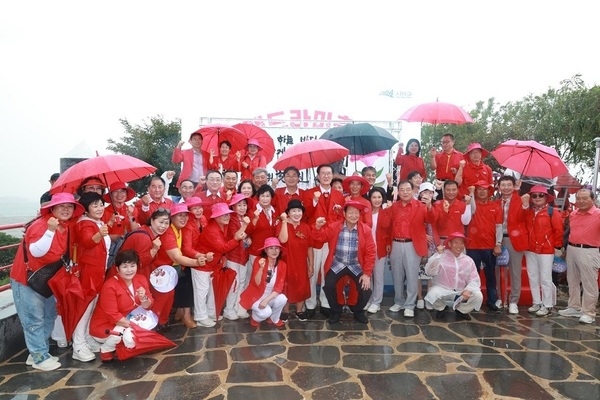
point(91, 256)
point(585, 227)
point(482, 229)
point(208, 200)
point(471, 174)
point(282, 198)
point(445, 163)
point(144, 216)
point(168, 241)
point(122, 223)
point(219, 164)
point(253, 292)
point(409, 163)
point(545, 232)
point(450, 222)
point(142, 244)
point(239, 254)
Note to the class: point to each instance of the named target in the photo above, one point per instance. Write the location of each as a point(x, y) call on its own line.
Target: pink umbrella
point(530, 158)
point(437, 113)
point(310, 154)
point(267, 145)
point(213, 135)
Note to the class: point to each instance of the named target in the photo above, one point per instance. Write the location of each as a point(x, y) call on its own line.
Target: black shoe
point(284, 316)
point(439, 314)
point(464, 317)
point(310, 312)
point(493, 308)
point(302, 316)
point(163, 328)
point(326, 311)
point(334, 318)
point(361, 317)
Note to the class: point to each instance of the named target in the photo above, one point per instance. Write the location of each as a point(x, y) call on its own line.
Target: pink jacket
point(453, 273)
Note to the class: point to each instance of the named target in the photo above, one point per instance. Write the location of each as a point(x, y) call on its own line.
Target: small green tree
point(7, 256)
point(152, 142)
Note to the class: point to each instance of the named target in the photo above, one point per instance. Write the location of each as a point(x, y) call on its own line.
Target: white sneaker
point(209, 323)
point(30, 362)
point(408, 313)
point(499, 303)
point(534, 308)
point(94, 346)
point(586, 319)
point(420, 304)
point(367, 307)
point(396, 308)
point(513, 309)
point(243, 314)
point(428, 305)
point(62, 343)
point(49, 364)
point(231, 315)
point(84, 354)
point(373, 308)
point(215, 318)
point(570, 312)
point(543, 311)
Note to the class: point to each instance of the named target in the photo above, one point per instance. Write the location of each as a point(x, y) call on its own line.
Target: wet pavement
point(494, 356)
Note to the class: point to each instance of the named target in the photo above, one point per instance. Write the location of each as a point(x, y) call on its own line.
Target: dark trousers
point(329, 288)
point(184, 291)
point(488, 258)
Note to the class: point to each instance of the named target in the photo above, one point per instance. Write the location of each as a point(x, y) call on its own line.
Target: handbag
point(38, 280)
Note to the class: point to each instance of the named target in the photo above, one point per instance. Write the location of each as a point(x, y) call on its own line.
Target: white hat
point(143, 318)
point(164, 278)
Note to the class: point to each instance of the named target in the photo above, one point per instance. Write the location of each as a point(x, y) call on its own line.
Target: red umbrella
point(222, 279)
point(69, 298)
point(212, 135)
point(437, 113)
point(264, 139)
point(310, 154)
point(110, 168)
point(145, 342)
point(530, 158)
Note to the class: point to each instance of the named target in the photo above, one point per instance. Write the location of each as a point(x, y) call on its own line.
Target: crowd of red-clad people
point(244, 249)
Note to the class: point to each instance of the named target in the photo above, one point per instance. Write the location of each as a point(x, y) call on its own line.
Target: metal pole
point(596, 165)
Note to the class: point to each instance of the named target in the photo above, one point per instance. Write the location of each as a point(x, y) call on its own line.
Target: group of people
point(292, 250)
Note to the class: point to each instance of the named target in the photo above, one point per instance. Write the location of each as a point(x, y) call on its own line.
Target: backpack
point(115, 247)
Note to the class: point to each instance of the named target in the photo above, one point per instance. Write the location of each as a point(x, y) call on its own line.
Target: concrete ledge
point(11, 332)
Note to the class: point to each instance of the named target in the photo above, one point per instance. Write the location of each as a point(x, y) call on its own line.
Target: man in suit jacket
point(195, 161)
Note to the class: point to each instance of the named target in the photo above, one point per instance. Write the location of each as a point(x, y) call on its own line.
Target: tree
point(7, 256)
point(152, 142)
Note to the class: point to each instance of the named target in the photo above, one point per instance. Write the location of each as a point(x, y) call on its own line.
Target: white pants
point(58, 332)
point(273, 308)
point(405, 264)
point(320, 255)
point(539, 272)
point(439, 297)
point(377, 281)
point(109, 344)
point(204, 297)
point(81, 334)
point(583, 266)
point(232, 304)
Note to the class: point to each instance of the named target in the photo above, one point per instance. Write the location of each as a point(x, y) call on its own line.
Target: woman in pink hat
point(124, 217)
point(237, 258)
point(472, 169)
point(252, 159)
point(215, 239)
point(545, 234)
point(225, 160)
point(46, 240)
point(264, 294)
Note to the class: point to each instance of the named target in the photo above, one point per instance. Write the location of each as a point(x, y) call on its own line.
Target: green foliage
point(567, 118)
point(152, 142)
point(6, 256)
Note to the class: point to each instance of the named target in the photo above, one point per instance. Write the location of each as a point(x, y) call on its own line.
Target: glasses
point(538, 195)
point(326, 173)
point(163, 210)
point(269, 275)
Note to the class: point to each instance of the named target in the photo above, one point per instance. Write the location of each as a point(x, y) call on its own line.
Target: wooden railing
point(6, 268)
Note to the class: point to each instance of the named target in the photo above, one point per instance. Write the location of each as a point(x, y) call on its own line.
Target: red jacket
point(281, 200)
point(382, 236)
point(332, 209)
point(545, 232)
point(259, 161)
point(209, 200)
point(239, 254)
point(473, 173)
point(91, 256)
point(262, 230)
point(446, 223)
point(409, 163)
point(187, 158)
point(254, 292)
point(216, 240)
point(418, 217)
point(116, 302)
point(517, 232)
point(144, 216)
point(366, 245)
point(218, 164)
point(142, 244)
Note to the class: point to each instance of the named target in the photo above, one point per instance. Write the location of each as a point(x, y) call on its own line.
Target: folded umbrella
point(145, 342)
point(69, 295)
point(222, 279)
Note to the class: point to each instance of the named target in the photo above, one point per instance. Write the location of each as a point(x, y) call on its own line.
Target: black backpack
point(115, 247)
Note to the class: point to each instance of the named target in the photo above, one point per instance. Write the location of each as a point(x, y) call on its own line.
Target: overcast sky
point(70, 70)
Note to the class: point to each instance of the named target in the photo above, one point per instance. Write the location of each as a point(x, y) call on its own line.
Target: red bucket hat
point(356, 178)
point(358, 205)
point(219, 210)
point(118, 186)
point(453, 236)
point(542, 189)
point(474, 146)
point(62, 198)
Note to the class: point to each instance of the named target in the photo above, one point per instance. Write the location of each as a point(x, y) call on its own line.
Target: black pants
point(184, 291)
point(329, 288)
point(489, 259)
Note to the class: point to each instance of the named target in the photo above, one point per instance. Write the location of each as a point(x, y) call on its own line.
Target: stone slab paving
point(494, 356)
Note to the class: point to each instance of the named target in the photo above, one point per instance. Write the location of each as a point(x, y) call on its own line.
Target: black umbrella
point(362, 138)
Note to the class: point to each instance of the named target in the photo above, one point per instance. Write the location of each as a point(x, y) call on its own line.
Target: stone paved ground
point(494, 356)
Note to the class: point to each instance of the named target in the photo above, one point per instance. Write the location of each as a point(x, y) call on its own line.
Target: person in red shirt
point(356, 186)
point(252, 160)
point(119, 296)
point(545, 235)
point(410, 161)
point(451, 214)
point(125, 217)
point(406, 224)
point(230, 181)
point(153, 200)
point(485, 238)
point(225, 160)
point(321, 201)
point(291, 191)
point(446, 163)
point(213, 194)
point(472, 169)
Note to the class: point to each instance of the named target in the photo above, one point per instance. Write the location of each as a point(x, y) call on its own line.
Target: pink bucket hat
point(254, 142)
point(219, 210)
point(62, 198)
point(179, 208)
point(270, 242)
point(474, 146)
point(236, 199)
point(193, 201)
point(118, 186)
point(542, 189)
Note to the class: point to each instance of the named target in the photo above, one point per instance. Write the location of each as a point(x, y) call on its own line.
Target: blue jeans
point(37, 315)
